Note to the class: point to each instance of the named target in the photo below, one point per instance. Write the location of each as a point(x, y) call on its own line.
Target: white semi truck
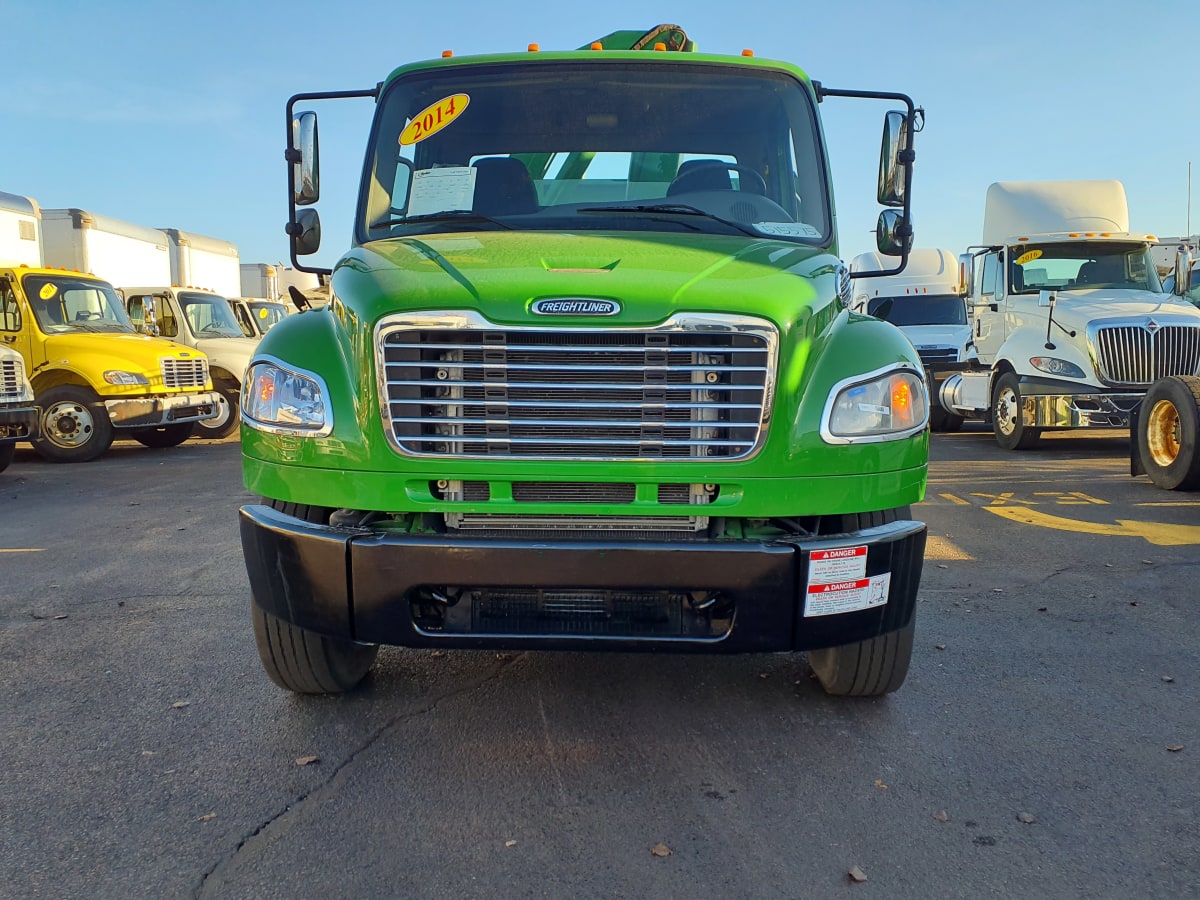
point(206, 321)
point(926, 301)
point(1071, 324)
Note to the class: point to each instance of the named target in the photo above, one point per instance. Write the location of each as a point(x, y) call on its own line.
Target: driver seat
point(700, 175)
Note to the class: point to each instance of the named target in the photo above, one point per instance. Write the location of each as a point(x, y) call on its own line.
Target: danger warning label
point(838, 583)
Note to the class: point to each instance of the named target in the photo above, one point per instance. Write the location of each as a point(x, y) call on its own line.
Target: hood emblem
point(1151, 326)
point(575, 306)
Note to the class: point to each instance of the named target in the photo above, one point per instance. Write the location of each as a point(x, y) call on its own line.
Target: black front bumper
point(444, 591)
point(18, 424)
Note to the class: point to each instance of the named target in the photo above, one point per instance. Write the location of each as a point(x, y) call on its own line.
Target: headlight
point(1052, 365)
point(881, 406)
point(115, 376)
point(277, 399)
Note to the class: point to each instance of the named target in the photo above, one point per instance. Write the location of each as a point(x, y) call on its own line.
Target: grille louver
point(693, 388)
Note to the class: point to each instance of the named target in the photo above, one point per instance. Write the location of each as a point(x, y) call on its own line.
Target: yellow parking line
point(940, 548)
point(1158, 533)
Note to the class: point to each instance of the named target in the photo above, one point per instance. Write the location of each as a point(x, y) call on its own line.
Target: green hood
point(651, 275)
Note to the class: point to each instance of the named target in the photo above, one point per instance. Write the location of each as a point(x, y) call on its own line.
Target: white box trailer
point(259, 281)
point(201, 262)
point(20, 231)
point(119, 252)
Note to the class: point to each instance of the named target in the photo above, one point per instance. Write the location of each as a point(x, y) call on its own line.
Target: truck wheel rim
point(222, 416)
point(68, 425)
point(1006, 411)
point(1162, 433)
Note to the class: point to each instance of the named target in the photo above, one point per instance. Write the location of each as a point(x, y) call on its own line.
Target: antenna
point(1189, 212)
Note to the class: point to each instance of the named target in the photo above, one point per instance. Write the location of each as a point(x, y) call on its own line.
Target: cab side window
point(10, 312)
point(990, 283)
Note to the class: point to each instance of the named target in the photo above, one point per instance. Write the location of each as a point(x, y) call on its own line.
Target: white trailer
point(203, 263)
point(20, 231)
point(1070, 321)
point(926, 302)
point(119, 252)
point(259, 281)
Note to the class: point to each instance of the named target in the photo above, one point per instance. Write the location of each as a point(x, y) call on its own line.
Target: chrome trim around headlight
point(273, 428)
point(865, 378)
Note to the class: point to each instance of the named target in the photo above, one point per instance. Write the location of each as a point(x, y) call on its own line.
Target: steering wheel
point(699, 178)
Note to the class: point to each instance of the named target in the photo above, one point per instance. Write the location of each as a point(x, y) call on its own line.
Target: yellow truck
point(93, 374)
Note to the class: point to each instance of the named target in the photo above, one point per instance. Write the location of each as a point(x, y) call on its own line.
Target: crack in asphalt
point(370, 741)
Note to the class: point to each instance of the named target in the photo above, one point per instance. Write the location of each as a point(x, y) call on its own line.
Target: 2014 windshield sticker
point(1028, 257)
point(433, 119)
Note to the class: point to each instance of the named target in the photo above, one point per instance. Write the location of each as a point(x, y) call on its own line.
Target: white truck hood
point(937, 335)
point(1075, 309)
point(229, 353)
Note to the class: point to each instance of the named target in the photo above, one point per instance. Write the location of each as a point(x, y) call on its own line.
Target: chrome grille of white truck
point(12, 379)
point(184, 373)
point(1139, 354)
point(694, 388)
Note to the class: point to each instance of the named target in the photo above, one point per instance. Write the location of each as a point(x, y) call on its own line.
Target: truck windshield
point(620, 145)
point(65, 303)
point(1082, 266)
point(209, 315)
point(923, 309)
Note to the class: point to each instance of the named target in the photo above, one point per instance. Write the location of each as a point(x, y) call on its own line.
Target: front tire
point(163, 435)
point(226, 421)
point(1011, 431)
point(300, 660)
point(74, 426)
point(7, 451)
point(1168, 432)
point(877, 665)
point(941, 420)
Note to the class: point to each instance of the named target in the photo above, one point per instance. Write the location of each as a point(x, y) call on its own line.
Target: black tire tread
point(877, 665)
point(1184, 474)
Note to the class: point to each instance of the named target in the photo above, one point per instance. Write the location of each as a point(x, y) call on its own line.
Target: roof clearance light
point(1151, 237)
point(1022, 239)
point(596, 45)
point(747, 52)
point(1089, 234)
point(534, 48)
point(1105, 234)
point(660, 47)
point(1073, 234)
point(447, 54)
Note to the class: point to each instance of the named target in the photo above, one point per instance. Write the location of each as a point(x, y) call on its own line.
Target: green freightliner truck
point(588, 379)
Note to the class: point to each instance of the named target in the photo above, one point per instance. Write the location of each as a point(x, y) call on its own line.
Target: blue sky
point(171, 115)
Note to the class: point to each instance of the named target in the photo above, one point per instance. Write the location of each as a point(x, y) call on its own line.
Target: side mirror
point(892, 164)
point(893, 233)
point(1183, 272)
point(305, 232)
point(305, 156)
point(298, 299)
point(966, 273)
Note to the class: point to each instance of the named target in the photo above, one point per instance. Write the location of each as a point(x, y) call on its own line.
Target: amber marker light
point(447, 54)
point(747, 52)
point(660, 47)
point(534, 48)
point(902, 402)
point(266, 389)
point(596, 45)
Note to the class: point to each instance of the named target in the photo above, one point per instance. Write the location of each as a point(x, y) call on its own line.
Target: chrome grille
point(931, 355)
point(184, 373)
point(697, 387)
point(1134, 354)
point(12, 379)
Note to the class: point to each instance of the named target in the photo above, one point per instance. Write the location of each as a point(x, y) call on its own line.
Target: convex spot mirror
point(893, 233)
point(306, 232)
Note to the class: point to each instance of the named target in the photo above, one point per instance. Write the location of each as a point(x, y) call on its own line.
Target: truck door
point(989, 308)
point(16, 327)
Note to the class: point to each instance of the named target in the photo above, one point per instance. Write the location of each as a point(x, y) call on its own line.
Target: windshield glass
point(1083, 266)
point(266, 314)
point(64, 303)
point(620, 145)
point(923, 309)
point(209, 315)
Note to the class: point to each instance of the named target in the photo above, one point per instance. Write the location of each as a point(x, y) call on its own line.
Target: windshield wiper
point(679, 209)
point(464, 215)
